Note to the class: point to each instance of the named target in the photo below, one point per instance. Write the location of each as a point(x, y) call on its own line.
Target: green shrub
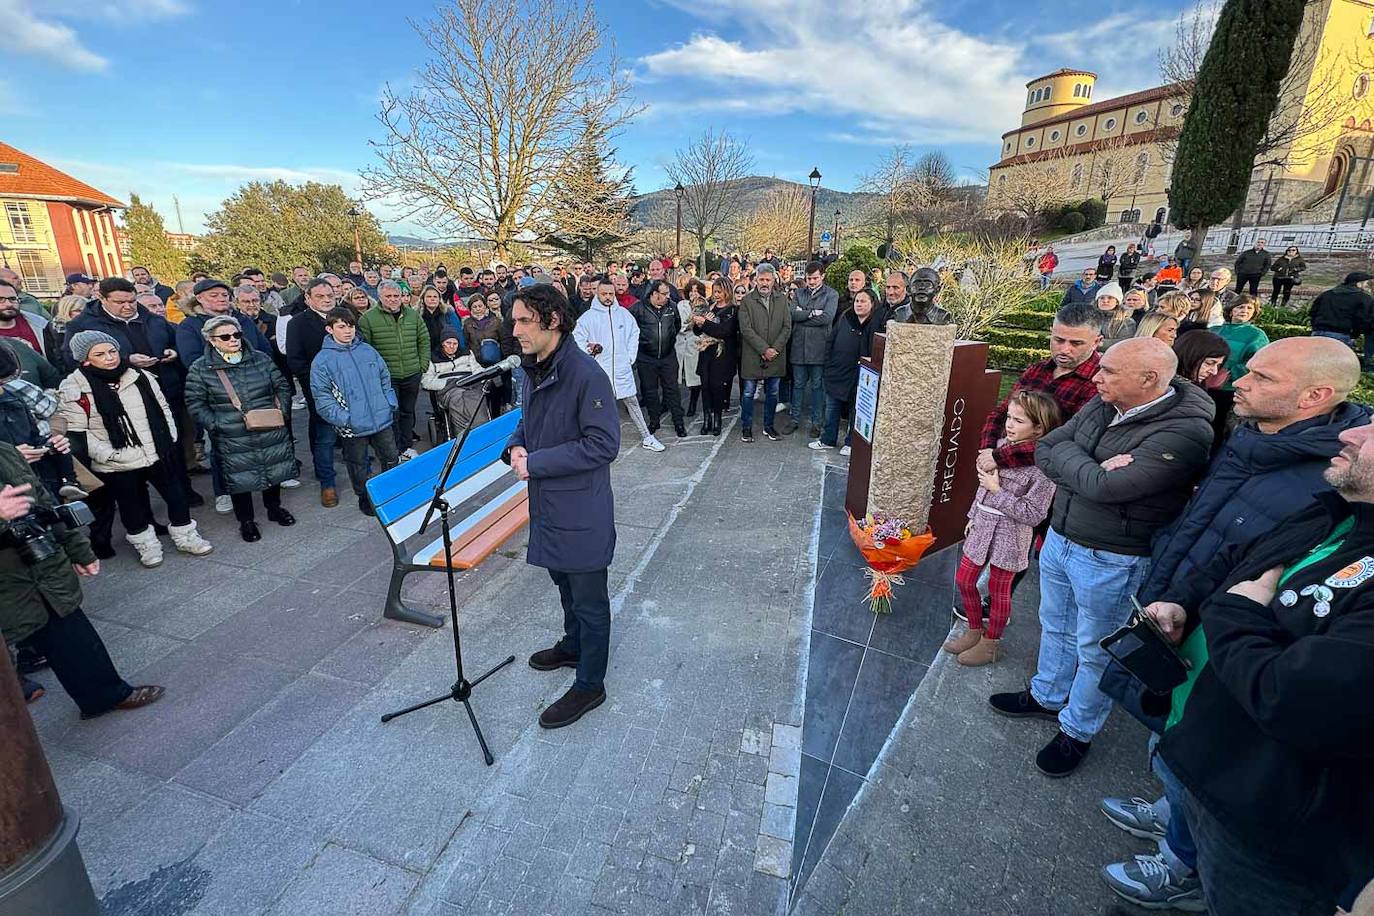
point(1027, 321)
point(1279, 331)
point(1364, 392)
point(1015, 337)
point(1072, 222)
point(1094, 211)
point(855, 257)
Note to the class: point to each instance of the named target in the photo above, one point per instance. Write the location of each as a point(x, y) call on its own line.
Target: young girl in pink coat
point(1002, 520)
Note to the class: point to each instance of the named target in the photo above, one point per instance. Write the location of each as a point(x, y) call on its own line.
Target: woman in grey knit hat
point(119, 424)
point(222, 386)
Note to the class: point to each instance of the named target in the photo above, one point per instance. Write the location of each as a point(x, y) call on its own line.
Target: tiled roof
point(35, 178)
point(1106, 105)
point(1140, 137)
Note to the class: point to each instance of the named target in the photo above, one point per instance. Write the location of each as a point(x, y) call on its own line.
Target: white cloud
point(238, 174)
point(891, 64)
point(42, 32)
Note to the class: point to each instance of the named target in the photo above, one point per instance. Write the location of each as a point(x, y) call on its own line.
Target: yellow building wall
point(1341, 72)
point(31, 248)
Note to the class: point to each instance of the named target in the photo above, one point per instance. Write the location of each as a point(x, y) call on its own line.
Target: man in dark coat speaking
point(564, 445)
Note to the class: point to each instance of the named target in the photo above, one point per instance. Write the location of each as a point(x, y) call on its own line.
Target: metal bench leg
point(396, 609)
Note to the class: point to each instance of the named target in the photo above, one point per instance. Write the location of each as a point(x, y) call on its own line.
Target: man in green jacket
point(398, 332)
point(765, 326)
point(40, 602)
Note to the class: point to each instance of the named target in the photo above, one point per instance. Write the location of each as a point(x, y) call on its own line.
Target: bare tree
point(489, 126)
point(1031, 188)
point(1116, 169)
point(657, 226)
point(779, 222)
point(902, 186)
point(708, 169)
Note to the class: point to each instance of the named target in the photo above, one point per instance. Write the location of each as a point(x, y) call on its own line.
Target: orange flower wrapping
point(886, 562)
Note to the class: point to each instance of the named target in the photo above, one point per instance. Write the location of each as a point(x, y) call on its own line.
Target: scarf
point(118, 425)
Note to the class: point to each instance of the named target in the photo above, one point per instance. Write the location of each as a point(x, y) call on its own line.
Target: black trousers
point(586, 624)
point(1250, 280)
point(79, 659)
point(130, 491)
point(1282, 288)
point(243, 502)
point(383, 444)
point(658, 383)
point(407, 392)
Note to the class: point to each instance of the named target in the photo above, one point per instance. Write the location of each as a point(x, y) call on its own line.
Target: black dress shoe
point(681, 431)
point(550, 659)
point(103, 550)
point(1020, 705)
point(1061, 756)
point(249, 531)
point(570, 707)
point(281, 517)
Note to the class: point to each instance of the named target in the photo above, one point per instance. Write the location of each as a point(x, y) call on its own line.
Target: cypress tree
point(1234, 97)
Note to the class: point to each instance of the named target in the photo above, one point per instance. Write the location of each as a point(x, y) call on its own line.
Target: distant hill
point(754, 190)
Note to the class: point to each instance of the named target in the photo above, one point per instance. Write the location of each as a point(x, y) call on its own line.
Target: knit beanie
point(84, 341)
point(1111, 289)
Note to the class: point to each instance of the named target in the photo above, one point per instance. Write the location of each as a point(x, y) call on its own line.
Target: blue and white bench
point(487, 504)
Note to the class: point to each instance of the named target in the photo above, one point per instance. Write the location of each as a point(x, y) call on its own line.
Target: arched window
point(1361, 88)
point(1078, 90)
point(1002, 182)
point(1049, 91)
point(1142, 116)
point(1110, 125)
point(1087, 91)
point(1080, 130)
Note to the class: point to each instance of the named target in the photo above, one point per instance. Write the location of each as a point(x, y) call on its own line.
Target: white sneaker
point(844, 452)
point(298, 403)
point(653, 445)
point(409, 454)
point(819, 446)
point(224, 505)
point(290, 483)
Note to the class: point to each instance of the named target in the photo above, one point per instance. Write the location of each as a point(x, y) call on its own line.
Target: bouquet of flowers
point(890, 547)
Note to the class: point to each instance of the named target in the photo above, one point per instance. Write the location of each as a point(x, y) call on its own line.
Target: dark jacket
point(27, 591)
point(33, 368)
point(351, 387)
point(1255, 481)
point(1286, 268)
point(849, 341)
point(1344, 309)
point(570, 426)
point(1252, 263)
point(17, 423)
point(811, 336)
point(249, 462)
point(658, 329)
point(1119, 511)
point(1277, 737)
point(304, 337)
point(146, 333)
point(764, 324)
point(402, 339)
point(1127, 265)
point(436, 323)
point(1080, 293)
point(191, 345)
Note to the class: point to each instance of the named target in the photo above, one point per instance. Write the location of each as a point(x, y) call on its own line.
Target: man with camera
point(42, 553)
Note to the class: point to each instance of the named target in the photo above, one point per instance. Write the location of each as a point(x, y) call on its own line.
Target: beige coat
point(77, 407)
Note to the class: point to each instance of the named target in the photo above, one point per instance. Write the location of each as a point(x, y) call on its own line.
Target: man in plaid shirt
point(1067, 376)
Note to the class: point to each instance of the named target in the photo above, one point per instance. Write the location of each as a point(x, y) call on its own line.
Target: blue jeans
point(1045, 281)
point(1177, 837)
point(1084, 596)
point(831, 431)
point(322, 439)
point(808, 378)
point(1185, 264)
point(770, 401)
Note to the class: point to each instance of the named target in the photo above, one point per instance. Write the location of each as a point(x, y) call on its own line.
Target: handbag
point(259, 418)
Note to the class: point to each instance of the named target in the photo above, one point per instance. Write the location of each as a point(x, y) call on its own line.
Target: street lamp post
point(815, 178)
point(835, 242)
point(678, 192)
point(353, 215)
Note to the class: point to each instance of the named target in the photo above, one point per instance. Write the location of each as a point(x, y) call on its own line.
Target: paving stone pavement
point(954, 818)
point(264, 782)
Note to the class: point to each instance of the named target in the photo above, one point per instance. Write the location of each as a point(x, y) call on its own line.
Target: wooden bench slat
point(482, 546)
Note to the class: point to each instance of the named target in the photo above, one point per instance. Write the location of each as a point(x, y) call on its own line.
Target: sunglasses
point(234, 335)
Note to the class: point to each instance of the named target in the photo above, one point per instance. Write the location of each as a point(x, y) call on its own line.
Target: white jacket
point(615, 329)
point(438, 374)
point(77, 407)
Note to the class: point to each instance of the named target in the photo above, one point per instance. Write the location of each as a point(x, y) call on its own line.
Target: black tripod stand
point(462, 688)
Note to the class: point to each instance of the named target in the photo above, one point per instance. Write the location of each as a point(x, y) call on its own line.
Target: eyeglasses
point(9, 298)
point(234, 335)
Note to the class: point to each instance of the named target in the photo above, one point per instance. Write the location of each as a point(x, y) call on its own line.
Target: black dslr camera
point(32, 536)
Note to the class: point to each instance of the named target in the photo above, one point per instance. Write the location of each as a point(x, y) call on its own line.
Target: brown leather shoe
point(329, 497)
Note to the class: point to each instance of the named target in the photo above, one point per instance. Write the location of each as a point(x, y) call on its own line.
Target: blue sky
point(194, 97)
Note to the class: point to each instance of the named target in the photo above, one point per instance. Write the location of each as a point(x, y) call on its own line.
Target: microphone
point(505, 365)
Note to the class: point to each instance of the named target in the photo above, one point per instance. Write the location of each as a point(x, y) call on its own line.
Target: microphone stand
point(461, 691)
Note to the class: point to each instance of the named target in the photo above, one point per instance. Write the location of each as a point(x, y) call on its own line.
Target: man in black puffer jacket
point(656, 363)
point(1124, 466)
point(1346, 311)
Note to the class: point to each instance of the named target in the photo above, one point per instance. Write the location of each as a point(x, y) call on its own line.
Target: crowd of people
point(1166, 451)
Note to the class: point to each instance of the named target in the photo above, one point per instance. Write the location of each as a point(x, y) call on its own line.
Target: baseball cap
point(79, 278)
point(210, 283)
